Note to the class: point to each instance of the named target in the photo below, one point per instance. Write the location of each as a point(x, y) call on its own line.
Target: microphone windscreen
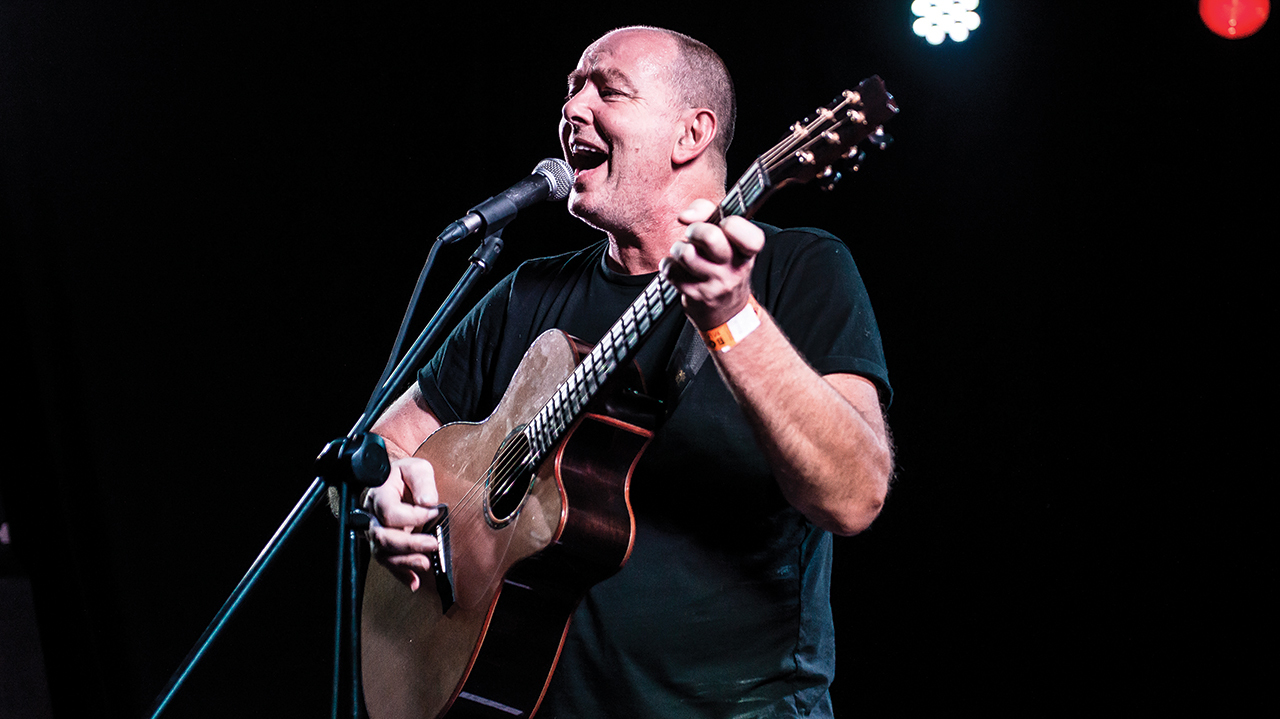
point(558, 174)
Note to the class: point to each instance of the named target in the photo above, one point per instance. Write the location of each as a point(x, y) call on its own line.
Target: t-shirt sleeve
point(817, 296)
point(467, 359)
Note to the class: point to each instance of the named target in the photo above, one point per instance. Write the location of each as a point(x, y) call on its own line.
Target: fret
point(598, 372)
point(607, 368)
point(749, 190)
point(629, 328)
point(733, 198)
point(755, 192)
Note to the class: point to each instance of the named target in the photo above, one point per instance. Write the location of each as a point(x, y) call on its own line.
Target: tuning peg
point(880, 138)
point(829, 178)
point(854, 159)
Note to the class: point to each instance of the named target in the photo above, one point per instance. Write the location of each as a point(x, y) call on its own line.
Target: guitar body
point(517, 578)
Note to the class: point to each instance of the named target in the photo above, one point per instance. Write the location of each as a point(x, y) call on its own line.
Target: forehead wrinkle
point(610, 74)
point(652, 68)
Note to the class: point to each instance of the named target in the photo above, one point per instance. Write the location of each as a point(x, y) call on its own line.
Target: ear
point(697, 128)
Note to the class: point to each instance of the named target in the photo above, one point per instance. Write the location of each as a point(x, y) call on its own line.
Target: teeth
point(585, 157)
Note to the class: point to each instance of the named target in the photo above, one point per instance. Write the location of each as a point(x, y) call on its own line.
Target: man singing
point(723, 607)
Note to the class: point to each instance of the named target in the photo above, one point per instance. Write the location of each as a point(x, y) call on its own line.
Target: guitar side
point(516, 584)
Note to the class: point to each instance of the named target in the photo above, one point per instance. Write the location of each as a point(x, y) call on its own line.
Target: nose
point(576, 110)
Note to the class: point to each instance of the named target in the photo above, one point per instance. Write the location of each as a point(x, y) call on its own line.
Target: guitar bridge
point(443, 558)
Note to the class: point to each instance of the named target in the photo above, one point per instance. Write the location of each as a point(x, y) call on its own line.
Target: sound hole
point(509, 478)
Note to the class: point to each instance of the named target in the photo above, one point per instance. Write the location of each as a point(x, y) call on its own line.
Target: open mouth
point(585, 157)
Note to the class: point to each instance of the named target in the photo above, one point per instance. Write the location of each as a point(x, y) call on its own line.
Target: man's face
point(618, 128)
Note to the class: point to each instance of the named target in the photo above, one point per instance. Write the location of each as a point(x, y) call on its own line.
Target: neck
point(639, 249)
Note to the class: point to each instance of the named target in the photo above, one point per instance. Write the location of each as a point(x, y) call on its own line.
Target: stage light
point(939, 19)
point(1234, 19)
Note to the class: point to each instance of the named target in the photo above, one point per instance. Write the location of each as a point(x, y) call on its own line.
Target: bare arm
point(407, 500)
point(824, 437)
point(406, 423)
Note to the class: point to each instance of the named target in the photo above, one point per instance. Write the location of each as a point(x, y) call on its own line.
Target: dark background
point(214, 213)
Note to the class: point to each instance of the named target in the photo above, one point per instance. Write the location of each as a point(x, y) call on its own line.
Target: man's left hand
point(712, 266)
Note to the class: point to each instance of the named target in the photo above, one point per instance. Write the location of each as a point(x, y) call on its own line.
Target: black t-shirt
point(723, 608)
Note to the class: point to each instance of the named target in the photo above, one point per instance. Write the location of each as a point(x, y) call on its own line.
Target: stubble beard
point(619, 210)
point(601, 213)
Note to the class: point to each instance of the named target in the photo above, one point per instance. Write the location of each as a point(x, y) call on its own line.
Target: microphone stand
point(357, 460)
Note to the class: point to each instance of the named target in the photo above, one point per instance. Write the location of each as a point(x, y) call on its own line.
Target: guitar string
point(587, 377)
point(580, 391)
point(642, 314)
point(614, 348)
point(514, 460)
point(505, 469)
point(512, 464)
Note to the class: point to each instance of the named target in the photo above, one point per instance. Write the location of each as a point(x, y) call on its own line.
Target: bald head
point(699, 79)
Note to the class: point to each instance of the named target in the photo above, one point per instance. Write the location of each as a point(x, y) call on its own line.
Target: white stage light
point(939, 19)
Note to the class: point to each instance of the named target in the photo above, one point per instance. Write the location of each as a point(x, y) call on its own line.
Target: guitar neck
point(616, 347)
point(624, 338)
point(832, 133)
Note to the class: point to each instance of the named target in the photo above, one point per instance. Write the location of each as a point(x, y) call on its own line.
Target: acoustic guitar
point(537, 497)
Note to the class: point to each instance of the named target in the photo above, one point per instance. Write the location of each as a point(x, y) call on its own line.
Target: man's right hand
point(400, 507)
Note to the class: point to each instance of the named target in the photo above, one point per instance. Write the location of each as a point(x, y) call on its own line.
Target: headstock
point(821, 146)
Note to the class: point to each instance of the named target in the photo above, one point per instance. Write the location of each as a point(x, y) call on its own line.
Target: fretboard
point(624, 338)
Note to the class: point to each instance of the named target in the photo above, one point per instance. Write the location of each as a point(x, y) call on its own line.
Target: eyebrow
point(611, 74)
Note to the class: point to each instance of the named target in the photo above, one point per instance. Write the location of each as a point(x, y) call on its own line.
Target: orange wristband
point(736, 329)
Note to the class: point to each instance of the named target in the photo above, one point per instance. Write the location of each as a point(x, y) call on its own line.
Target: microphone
point(551, 180)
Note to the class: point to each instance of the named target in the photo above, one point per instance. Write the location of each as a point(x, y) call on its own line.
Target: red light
point(1234, 19)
